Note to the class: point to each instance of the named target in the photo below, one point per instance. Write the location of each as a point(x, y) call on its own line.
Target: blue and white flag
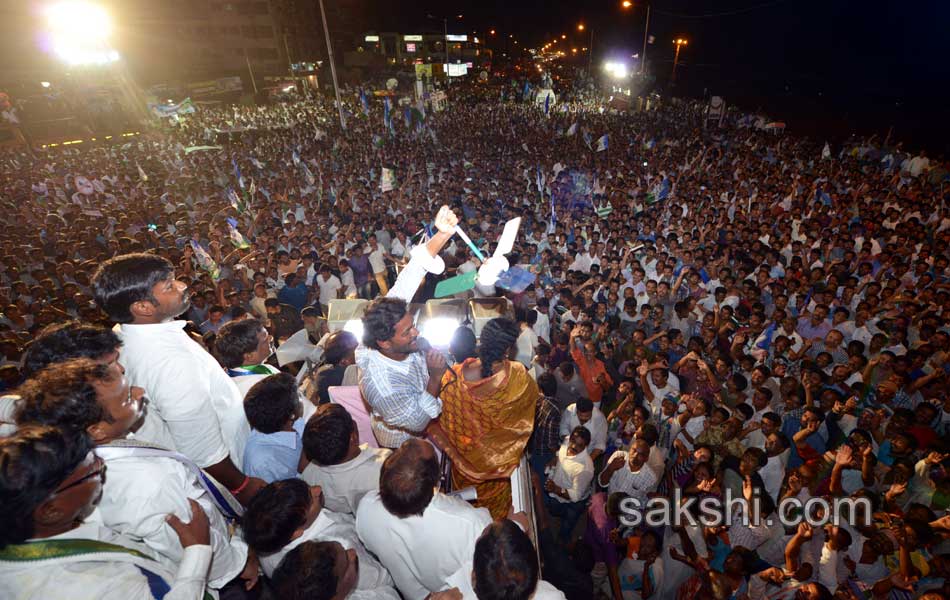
point(235, 200)
point(547, 104)
point(586, 137)
point(407, 117)
point(257, 164)
point(172, 110)
point(364, 102)
point(387, 119)
point(572, 130)
point(295, 157)
point(205, 261)
point(237, 173)
point(308, 175)
point(602, 143)
point(527, 91)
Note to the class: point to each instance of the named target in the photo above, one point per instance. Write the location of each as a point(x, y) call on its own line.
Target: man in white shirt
point(329, 286)
point(421, 535)
point(629, 473)
point(288, 513)
point(568, 487)
point(344, 469)
point(377, 262)
point(583, 413)
point(308, 569)
point(40, 557)
point(400, 383)
point(347, 280)
point(505, 565)
point(145, 483)
point(195, 408)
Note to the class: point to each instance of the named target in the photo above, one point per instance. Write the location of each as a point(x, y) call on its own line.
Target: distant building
point(387, 50)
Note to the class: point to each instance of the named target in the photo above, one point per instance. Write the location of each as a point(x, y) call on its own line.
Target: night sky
point(826, 67)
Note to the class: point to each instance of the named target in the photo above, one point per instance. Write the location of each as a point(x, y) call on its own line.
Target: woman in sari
point(488, 408)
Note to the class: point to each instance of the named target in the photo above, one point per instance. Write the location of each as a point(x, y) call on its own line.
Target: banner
point(388, 180)
point(184, 107)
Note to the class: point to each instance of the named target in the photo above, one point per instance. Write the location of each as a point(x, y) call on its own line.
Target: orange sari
point(489, 422)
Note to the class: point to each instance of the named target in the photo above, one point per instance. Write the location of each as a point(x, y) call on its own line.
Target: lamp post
point(679, 43)
point(646, 35)
point(590, 45)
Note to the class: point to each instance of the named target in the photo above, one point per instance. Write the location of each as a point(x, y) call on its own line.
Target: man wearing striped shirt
point(401, 385)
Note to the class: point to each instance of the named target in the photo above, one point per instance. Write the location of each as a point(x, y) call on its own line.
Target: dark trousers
point(569, 514)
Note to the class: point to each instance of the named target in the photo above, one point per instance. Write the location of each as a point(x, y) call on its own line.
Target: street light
point(580, 27)
point(492, 32)
point(626, 4)
point(679, 43)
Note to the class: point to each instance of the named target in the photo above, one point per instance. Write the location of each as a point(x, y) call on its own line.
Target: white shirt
point(526, 343)
point(636, 484)
point(462, 580)
point(542, 327)
point(194, 407)
point(349, 284)
point(773, 472)
point(596, 425)
point(344, 485)
point(376, 261)
point(335, 527)
point(328, 287)
point(421, 552)
point(630, 572)
point(137, 495)
point(573, 474)
point(115, 577)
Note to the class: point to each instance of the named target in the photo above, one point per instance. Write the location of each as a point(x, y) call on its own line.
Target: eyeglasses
point(99, 471)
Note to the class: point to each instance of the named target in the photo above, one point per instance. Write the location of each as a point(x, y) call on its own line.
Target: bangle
point(240, 488)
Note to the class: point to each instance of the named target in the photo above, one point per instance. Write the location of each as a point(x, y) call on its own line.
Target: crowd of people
point(716, 312)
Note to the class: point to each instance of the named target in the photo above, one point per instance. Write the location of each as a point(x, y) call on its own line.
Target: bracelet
point(240, 488)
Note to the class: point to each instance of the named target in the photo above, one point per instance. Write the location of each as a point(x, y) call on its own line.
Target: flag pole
point(336, 87)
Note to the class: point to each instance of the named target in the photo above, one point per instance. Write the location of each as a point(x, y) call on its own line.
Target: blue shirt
point(274, 456)
point(295, 296)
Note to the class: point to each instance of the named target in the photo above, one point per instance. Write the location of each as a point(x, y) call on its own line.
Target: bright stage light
point(439, 331)
point(355, 326)
point(618, 70)
point(80, 32)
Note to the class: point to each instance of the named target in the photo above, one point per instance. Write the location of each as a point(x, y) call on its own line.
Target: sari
point(489, 422)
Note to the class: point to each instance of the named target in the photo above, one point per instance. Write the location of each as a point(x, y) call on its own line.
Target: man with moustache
point(195, 408)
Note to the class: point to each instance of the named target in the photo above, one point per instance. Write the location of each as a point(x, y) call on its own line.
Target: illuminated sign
point(412, 38)
point(372, 38)
point(457, 38)
point(410, 47)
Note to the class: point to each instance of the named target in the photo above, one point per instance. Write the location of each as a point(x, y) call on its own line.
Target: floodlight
point(80, 31)
point(439, 331)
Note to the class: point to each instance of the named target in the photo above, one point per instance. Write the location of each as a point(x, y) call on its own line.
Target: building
point(387, 50)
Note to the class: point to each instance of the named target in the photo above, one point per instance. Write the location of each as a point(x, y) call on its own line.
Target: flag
point(388, 179)
point(527, 90)
point(547, 104)
point(142, 174)
point(332, 195)
point(205, 261)
point(237, 173)
point(252, 190)
point(191, 149)
point(826, 152)
point(236, 238)
point(257, 163)
point(378, 141)
point(602, 143)
point(84, 186)
point(235, 200)
point(572, 130)
point(586, 137)
point(307, 174)
point(604, 210)
point(540, 180)
point(172, 110)
point(407, 117)
point(387, 119)
point(364, 102)
point(295, 157)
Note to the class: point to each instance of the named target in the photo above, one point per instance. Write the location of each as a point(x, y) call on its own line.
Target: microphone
point(423, 344)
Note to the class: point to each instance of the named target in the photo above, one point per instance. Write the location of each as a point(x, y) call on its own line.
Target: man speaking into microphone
point(399, 380)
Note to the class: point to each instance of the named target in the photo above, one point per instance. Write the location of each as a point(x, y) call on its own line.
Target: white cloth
point(194, 407)
point(462, 580)
point(376, 260)
point(630, 572)
point(335, 527)
point(573, 474)
point(115, 577)
point(596, 425)
point(137, 495)
point(422, 552)
point(773, 473)
point(526, 343)
point(636, 484)
point(328, 288)
point(344, 485)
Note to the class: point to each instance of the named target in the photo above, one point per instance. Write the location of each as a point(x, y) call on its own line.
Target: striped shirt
point(636, 484)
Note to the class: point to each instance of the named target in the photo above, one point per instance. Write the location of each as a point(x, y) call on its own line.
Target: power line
point(728, 13)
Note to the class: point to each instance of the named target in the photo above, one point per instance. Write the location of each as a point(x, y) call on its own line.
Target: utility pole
point(336, 87)
point(250, 71)
point(646, 32)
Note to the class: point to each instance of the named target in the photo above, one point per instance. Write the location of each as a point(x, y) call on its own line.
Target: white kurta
point(462, 580)
point(115, 577)
point(344, 485)
point(194, 407)
point(137, 495)
point(422, 552)
point(335, 527)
